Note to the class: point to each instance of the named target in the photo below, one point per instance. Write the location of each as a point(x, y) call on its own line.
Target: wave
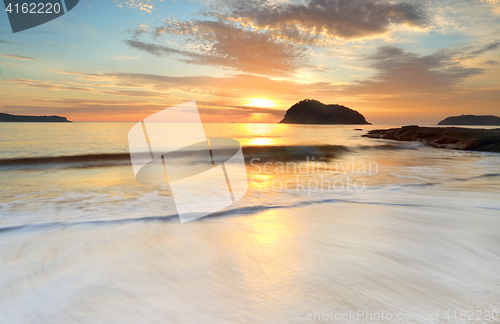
point(488, 175)
point(240, 210)
point(391, 147)
point(481, 176)
point(265, 153)
point(108, 159)
point(294, 153)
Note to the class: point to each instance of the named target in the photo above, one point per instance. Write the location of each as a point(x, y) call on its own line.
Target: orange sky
point(407, 63)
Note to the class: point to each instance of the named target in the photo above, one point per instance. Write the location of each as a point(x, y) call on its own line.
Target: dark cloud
point(403, 72)
point(491, 62)
point(5, 42)
point(317, 20)
point(20, 57)
point(486, 48)
point(471, 52)
point(158, 50)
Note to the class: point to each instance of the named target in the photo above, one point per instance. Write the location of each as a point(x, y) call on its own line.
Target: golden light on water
point(261, 134)
point(260, 102)
point(258, 129)
point(261, 141)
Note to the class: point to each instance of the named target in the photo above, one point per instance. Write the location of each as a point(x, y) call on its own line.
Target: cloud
point(237, 86)
point(91, 88)
point(320, 20)
point(84, 107)
point(495, 5)
point(75, 107)
point(399, 71)
point(157, 50)
point(483, 49)
point(405, 84)
point(20, 57)
point(216, 89)
point(206, 107)
point(474, 51)
point(142, 5)
point(5, 42)
point(275, 39)
point(222, 90)
point(222, 44)
point(491, 62)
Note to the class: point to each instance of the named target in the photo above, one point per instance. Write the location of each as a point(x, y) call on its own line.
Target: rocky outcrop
point(487, 140)
point(6, 118)
point(314, 112)
point(471, 120)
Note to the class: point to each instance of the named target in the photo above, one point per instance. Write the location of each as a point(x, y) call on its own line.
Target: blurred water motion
point(82, 241)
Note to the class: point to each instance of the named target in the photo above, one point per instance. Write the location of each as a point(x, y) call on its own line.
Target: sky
point(396, 62)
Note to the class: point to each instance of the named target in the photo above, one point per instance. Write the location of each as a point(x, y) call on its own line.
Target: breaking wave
point(265, 153)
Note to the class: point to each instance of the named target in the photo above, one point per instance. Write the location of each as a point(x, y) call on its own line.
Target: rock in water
point(471, 120)
point(487, 140)
point(314, 112)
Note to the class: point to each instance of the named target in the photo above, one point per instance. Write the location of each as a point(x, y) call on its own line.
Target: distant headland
point(472, 120)
point(311, 111)
point(8, 118)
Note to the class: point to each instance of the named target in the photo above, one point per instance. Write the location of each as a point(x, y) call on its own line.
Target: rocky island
point(486, 140)
point(8, 118)
point(314, 112)
point(472, 120)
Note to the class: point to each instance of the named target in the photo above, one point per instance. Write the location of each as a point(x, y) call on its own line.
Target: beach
point(412, 232)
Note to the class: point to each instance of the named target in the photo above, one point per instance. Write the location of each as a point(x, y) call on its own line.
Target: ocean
point(335, 227)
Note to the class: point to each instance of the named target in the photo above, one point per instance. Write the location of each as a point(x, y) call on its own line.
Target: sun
point(261, 103)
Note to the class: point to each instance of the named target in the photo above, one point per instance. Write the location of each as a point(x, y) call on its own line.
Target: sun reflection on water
point(261, 141)
point(259, 129)
point(258, 248)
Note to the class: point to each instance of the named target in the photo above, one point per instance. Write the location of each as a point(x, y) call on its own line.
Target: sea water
point(333, 224)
